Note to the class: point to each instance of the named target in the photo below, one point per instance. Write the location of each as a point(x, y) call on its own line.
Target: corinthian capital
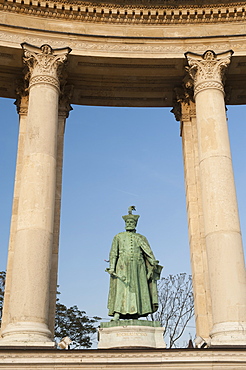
point(44, 64)
point(64, 100)
point(22, 97)
point(207, 70)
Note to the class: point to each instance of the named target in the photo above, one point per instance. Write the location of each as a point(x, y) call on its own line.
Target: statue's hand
point(150, 274)
point(110, 271)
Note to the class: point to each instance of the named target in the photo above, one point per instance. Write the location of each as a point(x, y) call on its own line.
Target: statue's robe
point(133, 288)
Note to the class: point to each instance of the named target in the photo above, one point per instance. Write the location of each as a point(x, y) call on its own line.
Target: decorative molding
point(209, 85)
point(135, 12)
point(109, 45)
point(229, 358)
point(207, 70)
point(149, 3)
point(45, 80)
point(44, 64)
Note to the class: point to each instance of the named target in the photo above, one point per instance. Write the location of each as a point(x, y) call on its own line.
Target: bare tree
point(176, 305)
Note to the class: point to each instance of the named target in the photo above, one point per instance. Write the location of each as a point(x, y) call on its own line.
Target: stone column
point(63, 113)
point(29, 297)
point(185, 112)
point(22, 109)
point(221, 221)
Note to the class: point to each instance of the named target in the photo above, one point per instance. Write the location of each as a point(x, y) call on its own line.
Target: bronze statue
point(134, 272)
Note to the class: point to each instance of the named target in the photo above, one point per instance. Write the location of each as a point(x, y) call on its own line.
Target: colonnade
point(217, 259)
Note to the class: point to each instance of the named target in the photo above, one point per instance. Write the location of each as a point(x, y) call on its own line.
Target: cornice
point(130, 12)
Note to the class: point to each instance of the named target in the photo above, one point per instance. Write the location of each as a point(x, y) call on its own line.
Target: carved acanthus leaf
point(64, 100)
point(182, 96)
point(22, 96)
point(44, 61)
point(208, 67)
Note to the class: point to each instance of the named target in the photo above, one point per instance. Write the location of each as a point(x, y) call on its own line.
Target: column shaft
point(22, 106)
point(64, 109)
point(221, 220)
point(30, 288)
point(200, 279)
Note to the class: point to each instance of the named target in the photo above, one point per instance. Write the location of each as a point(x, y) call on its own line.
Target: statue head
point(130, 219)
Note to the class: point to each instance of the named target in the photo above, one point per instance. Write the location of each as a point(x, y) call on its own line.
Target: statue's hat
point(130, 215)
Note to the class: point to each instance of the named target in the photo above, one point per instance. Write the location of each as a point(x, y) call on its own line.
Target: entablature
point(129, 53)
point(112, 81)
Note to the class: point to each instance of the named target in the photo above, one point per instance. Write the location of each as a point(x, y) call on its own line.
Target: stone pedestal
point(130, 334)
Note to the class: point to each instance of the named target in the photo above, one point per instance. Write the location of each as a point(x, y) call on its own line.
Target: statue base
point(130, 334)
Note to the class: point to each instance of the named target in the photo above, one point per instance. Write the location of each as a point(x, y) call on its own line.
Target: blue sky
point(114, 158)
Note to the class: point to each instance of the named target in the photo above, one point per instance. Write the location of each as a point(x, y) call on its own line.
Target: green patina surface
point(134, 272)
point(111, 324)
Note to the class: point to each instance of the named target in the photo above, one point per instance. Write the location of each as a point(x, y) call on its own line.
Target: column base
point(30, 334)
point(130, 334)
point(228, 334)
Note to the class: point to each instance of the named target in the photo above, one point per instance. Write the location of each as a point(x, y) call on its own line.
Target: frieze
point(111, 46)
